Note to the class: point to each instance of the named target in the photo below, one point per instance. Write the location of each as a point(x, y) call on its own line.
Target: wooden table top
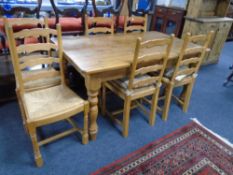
point(99, 53)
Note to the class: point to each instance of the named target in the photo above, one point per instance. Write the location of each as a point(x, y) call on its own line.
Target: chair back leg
point(36, 148)
point(154, 107)
point(167, 102)
point(126, 115)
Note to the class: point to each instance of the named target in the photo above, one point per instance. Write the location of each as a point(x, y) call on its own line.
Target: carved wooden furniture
point(135, 23)
point(95, 25)
point(139, 84)
point(185, 71)
point(46, 103)
point(168, 20)
point(207, 15)
point(106, 57)
point(71, 18)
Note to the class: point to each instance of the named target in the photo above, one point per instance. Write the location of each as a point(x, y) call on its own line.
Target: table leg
point(93, 87)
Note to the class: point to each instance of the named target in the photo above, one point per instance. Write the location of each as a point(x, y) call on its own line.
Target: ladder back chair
point(48, 104)
point(110, 10)
point(139, 23)
point(136, 12)
point(149, 56)
point(71, 18)
point(36, 23)
point(92, 25)
point(185, 71)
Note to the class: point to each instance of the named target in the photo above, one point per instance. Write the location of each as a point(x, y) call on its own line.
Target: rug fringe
point(215, 134)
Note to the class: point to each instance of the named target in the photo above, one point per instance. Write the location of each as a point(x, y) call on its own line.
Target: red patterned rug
point(189, 150)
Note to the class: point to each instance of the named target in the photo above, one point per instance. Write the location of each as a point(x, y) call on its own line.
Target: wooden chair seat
point(68, 24)
point(121, 86)
point(49, 102)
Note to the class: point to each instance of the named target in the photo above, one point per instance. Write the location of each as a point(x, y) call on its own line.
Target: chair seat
point(68, 24)
point(47, 103)
point(121, 85)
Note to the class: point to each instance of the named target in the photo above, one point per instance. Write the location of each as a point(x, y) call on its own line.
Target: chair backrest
point(112, 9)
point(72, 11)
point(135, 23)
point(22, 11)
point(150, 57)
point(140, 12)
point(188, 64)
point(27, 56)
point(95, 25)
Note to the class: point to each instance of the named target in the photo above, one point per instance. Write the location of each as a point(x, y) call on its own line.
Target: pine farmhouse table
point(100, 58)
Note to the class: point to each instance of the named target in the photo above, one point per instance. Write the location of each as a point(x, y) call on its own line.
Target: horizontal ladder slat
point(145, 82)
point(35, 75)
point(31, 57)
point(100, 20)
point(148, 69)
point(36, 32)
point(100, 30)
point(186, 62)
point(138, 19)
point(187, 71)
point(135, 27)
point(38, 61)
point(194, 50)
point(29, 48)
point(151, 57)
point(155, 42)
point(198, 38)
point(25, 21)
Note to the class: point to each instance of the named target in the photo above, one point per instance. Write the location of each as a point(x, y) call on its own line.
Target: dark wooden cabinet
point(168, 20)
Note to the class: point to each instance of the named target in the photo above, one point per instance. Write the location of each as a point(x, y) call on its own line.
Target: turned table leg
point(93, 87)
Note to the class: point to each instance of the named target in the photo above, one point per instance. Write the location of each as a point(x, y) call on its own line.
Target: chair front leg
point(21, 110)
point(126, 115)
point(167, 102)
point(36, 148)
point(154, 103)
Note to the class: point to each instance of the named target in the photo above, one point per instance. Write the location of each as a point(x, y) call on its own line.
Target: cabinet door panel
point(171, 27)
point(159, 23)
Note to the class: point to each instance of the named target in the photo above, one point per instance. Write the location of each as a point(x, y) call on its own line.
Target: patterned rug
point(189, 150)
